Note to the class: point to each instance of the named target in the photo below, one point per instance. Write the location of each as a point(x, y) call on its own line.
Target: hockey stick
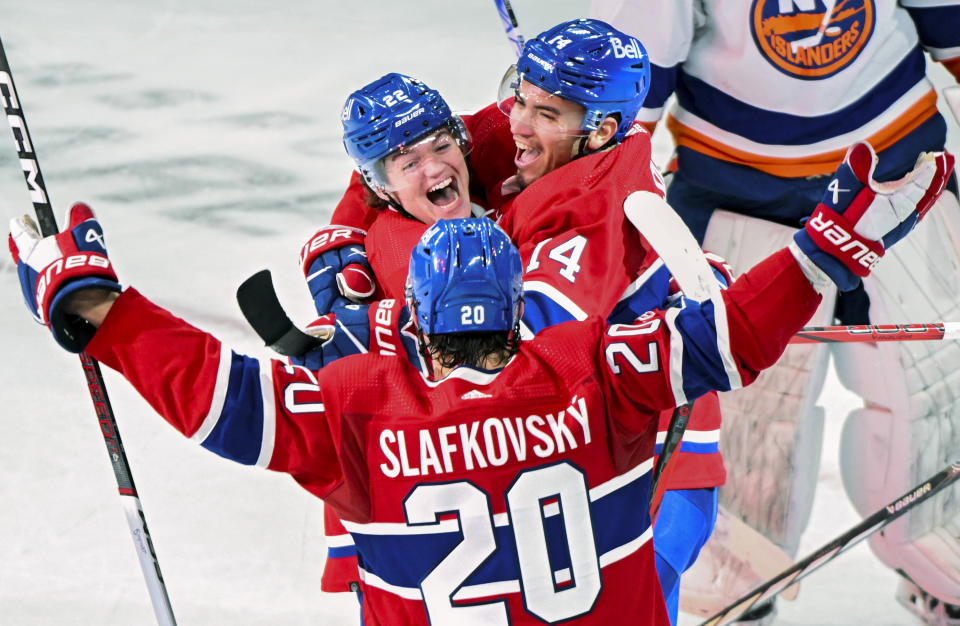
point(933, 331)
point(674, 243)
point(509, 20)
point(661, 473)
point(839, 545)
point(259, 304)
point(91, 369)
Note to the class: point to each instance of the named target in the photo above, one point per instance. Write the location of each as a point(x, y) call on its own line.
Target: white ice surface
point(206, 136)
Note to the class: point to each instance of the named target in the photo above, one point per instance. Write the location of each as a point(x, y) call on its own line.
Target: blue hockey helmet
point(390, 113)
point(589, 62)
point(465, 275)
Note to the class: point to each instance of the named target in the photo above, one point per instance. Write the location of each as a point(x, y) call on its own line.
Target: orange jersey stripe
point(814, 164)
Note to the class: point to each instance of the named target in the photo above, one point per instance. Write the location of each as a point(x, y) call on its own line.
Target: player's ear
point(599, 138)
point(381, 193)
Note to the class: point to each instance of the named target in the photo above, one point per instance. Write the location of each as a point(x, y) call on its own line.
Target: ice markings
point(68, 137)
point(266, 120)
point(155, 99)
point(57, 75)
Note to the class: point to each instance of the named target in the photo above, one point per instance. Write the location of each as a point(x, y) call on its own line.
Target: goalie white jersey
point(785, 86)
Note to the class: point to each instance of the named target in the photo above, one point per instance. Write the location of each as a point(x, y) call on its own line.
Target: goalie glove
point(335, 265)
point(859, 218)
point(52, 268)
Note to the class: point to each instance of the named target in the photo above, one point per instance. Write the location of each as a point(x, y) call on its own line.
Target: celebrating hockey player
point(572, 99)
point(411, 154)
point(583, 257)
point(502, 488)
point(413, 167)
point(768, 96)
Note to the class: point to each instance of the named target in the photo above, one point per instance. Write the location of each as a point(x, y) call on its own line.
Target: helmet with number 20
point(465, 275)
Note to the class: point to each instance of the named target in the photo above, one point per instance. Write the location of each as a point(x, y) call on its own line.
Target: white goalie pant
point(910, 426)
point(771, 436)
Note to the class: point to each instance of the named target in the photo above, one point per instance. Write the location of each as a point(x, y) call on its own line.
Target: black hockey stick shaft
point(829, 551)
point(91, 369)
point(678, 425)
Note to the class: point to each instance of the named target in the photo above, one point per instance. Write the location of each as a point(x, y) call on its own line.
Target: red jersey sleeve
point(352, 210)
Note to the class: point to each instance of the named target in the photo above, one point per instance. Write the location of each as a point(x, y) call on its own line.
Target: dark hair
point(453, 349)
point(370, 196)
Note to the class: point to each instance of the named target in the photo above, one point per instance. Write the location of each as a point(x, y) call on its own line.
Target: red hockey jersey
point(490, 497)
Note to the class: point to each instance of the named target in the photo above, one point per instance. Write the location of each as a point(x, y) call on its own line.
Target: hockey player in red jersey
point(411, 154)
point(572, 99)
point(768, 95)
point(501, 488)
point(414, 166)
point(582, 256)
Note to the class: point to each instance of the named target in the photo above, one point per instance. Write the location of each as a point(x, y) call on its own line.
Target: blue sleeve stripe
point(218, 399)
point(937, 25)
point(343, 552)
point(676, 357)
point(702, 366)
point(695, 448)
point(269, 437)
point(718, 308)
point(545, 305)
point(238, 433)
point(649, 291)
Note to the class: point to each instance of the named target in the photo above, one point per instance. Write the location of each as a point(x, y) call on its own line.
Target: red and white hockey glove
point(859, 218)
point(334, 262)
point(52, 268)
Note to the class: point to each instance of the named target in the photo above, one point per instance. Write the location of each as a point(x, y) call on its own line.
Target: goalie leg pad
point(772, 431)
point(911, 426)
point(770, 437)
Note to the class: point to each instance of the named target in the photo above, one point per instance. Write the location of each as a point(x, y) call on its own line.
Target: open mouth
point(444, 193)
point(525, 155)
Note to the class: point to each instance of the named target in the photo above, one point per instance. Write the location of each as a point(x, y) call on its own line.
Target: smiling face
point(546, 130)
point(429, 179)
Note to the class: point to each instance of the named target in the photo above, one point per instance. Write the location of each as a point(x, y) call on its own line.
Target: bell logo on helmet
point(629, 51)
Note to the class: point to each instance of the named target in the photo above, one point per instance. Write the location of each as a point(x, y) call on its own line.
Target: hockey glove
point(859, 218)
point(335, 265)
point(52, 268)
point(346, 331)
point(721, 270)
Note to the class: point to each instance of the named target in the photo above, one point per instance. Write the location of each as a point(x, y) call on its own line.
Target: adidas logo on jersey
point(473, 394)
